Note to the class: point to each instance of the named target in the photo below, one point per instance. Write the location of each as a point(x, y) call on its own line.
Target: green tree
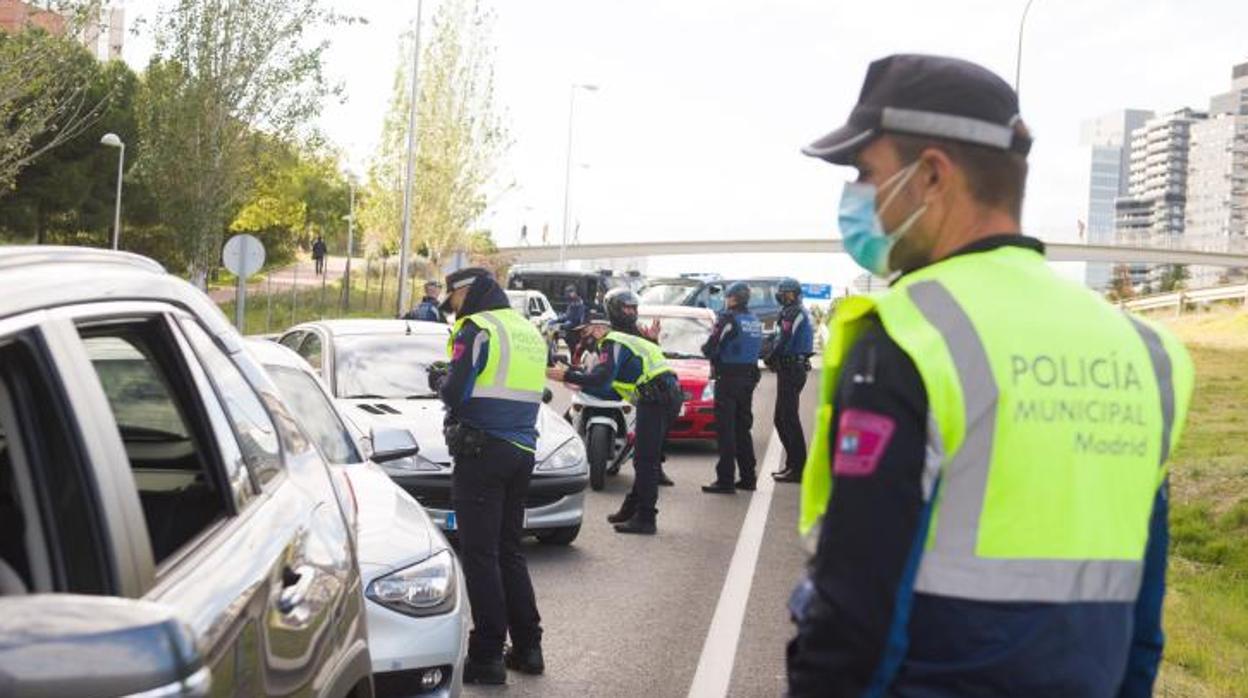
point(460, 137)
point(1174, 277)
point(1120, 286)
point(68, 193)
point(46, 94)
point(223, 70)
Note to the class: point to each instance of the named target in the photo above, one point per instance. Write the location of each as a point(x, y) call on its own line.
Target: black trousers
point(653, 422)
point(488, 493)
point(789, 383)
point(320, 265)
point(734, 417)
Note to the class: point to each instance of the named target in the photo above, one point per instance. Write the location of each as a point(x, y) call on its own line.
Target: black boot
point(490, 673)
point(643, 523)
point(664, 480)
point(747, 485)
point(526, 661)
point(627, 509)
point(787, 475)
point(719, 488)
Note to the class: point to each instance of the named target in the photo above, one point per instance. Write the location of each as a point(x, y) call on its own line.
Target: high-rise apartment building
point(1156, 199)
point(1217, 181)
point(1109, 139)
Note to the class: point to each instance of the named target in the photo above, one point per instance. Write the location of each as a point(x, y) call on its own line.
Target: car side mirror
point(73, 645)
point(547, 395)
point(393, 444)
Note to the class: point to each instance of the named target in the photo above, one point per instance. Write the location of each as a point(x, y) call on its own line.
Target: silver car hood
point(393, 529)
point(424, 418)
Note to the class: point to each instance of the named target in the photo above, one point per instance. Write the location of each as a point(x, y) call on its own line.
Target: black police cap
point(461, 279)
point(928, 96)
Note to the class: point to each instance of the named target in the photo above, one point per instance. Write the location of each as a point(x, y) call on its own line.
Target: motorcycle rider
point(634, 367)
point(790, 359)
point(571, 320)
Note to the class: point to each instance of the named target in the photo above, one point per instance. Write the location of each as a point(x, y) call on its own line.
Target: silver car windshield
point(680, 337)
point(666, 294)
point(388, 367)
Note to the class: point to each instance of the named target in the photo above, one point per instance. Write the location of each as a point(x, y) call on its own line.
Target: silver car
point(418, 615)
point(376, 372)
point(166, 528)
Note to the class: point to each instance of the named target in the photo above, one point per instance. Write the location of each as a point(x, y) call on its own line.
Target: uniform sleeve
point(725, 329)
point(845, 610)
point(469, 352)
point(602, 373)
point(1147, 639)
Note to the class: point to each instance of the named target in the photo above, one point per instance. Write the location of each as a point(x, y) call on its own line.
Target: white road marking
point(719, 651)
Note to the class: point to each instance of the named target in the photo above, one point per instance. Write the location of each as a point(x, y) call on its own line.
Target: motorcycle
point(606, 427)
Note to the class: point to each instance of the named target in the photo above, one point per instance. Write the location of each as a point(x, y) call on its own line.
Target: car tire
point(558, 536)
point(598, 445)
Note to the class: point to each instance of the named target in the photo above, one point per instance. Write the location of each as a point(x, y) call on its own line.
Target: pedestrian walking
point(633, 368)
point(733, 349)
point(318, 254)
point(427, 309)
point(492, 388)
point(790, 359)
point(987, 477)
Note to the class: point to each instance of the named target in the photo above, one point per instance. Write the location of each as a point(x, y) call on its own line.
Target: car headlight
point(567, 457)
point(409, 465)
point(426, 588)
point(708, 393)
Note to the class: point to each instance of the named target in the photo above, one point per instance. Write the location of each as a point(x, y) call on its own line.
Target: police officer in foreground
point(492, 389)
point(790, 359)
point(635, 368)
point(428, 310)
point(993, 438)
point(733, 349)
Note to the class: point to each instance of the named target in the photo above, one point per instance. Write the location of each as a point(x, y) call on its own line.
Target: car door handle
point(295, 586)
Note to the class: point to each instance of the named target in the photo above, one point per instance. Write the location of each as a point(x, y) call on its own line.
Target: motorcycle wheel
point(598, 450)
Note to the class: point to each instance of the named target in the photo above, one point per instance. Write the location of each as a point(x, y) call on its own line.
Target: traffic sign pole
point(240, 295)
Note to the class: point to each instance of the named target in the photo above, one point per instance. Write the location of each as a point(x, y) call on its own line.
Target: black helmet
point(788, 285)
point(740, 291)
point(621, 304)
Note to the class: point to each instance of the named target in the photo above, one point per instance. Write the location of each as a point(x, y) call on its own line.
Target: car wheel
point(558, 536)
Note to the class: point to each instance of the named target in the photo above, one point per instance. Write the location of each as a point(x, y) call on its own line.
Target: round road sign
point(243, 255)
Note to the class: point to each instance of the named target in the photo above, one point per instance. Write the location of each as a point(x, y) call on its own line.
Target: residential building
point(1109, 139)
point(16, 15)
point(1217, 190)
point(104, 38)
point(1154, 207)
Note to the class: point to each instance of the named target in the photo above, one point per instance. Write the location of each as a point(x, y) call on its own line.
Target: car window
point(762, 294)
point(315, 414)
point(51, 538)
point(179, 489)
point(665, 294)
point(310, 350)
point(257, 437)
point(389, 367)
point(535, 307)
point(291, 341)
point(680, 337)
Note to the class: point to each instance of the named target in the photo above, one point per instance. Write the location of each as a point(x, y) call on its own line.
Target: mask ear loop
point(904, 175)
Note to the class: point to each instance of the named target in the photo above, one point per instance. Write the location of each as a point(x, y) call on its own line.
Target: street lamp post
point(406, 243)
point(1018, 62)
point(113, 141)
point(567, 171)
point(350, 218)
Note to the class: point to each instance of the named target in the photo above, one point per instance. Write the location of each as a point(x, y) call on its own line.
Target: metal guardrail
point(1179, 299)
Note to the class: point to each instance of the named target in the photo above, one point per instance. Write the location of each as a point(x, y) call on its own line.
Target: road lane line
point(719, 651)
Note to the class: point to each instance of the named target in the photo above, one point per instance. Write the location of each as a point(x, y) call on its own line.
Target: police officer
point(571, 319)
point(428, 310)
point(790, 359)
point(733, 349)
point(492, 389)
point(635, 368)
point(987, 474)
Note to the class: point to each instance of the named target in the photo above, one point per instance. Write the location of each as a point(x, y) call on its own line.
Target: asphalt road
point(629, 615)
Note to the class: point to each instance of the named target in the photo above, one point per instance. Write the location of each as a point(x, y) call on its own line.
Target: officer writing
point(733, 348)
point(972, 541)
point(634, 368)
point(428, 310)
point(492, 389)
point(790, 359)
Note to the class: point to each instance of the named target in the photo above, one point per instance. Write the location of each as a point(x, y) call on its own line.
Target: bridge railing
point(1180, 299)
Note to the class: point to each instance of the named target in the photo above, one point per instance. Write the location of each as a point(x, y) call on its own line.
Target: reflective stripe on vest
point(653, 363)
point(1049, 447)
point(515, 368)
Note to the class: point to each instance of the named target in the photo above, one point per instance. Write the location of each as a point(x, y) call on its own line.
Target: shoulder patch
point(861, 438)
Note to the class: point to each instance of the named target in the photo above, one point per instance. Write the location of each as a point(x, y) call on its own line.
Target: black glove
point(438, 371)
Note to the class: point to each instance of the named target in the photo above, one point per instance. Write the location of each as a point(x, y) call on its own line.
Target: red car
point(682, 332)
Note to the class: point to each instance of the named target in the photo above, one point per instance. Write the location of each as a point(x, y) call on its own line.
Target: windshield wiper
point(362, 396)
point(422, 396)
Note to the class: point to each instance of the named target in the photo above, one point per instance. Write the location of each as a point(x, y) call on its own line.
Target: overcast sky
point(704, 103)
